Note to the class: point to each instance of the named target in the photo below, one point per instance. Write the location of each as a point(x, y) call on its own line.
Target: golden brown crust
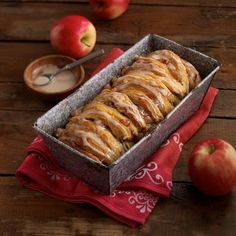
point(146, 105)
point(120, 125)
point(151, 89)
point(193, 75)
point(174, 65)
point(98, 129)
point(124, 105)
point(159, 72)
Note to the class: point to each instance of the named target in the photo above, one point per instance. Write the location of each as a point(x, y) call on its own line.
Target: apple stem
point(212, 148)
point(83, 41)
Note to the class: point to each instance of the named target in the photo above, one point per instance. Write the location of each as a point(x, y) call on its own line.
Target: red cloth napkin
point(135, 199)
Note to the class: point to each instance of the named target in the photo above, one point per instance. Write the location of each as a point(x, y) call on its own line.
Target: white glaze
point(63, 81)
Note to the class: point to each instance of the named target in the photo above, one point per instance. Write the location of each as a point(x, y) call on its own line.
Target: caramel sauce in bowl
point(64, 84)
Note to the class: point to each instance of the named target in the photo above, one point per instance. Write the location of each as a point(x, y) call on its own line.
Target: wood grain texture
point(186, 212)
point(16, 97)
point(199, 3)
point(12, 63)
point(17, 134)
point(22, 23)
point(208, 26)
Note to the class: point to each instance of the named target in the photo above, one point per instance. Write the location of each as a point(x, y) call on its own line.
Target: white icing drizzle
point(158, 99)
point(122, 102)
point(117, 128)
point(85, 135)
point(144, 101)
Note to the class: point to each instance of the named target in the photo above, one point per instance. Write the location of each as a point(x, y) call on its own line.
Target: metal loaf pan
point(106, 178)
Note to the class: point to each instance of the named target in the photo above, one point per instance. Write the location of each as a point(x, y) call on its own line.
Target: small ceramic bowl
point(59, 61)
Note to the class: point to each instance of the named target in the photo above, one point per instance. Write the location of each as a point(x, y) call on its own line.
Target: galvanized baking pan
point(106, 178)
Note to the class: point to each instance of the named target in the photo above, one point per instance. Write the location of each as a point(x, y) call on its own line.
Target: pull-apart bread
point(122, 113)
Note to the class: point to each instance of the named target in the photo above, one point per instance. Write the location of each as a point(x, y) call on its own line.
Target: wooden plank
point(213, 3)
point(17, 135)
point(18, 24)
point(225, 78)
point(15, 57)
point(224, 105)
point(26, 212)
point(16, 96)
point(191, 3)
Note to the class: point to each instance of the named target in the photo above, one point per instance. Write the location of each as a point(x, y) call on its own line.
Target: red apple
point(212, 167)
point(109, 9)
point(73, 36)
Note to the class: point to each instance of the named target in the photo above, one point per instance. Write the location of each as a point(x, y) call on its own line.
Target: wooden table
point(208, 26)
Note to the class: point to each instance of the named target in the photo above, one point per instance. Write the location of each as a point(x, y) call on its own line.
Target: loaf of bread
point(125, 109)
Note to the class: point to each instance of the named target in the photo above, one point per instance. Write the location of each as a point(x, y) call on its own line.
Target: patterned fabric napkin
point(136, 197)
